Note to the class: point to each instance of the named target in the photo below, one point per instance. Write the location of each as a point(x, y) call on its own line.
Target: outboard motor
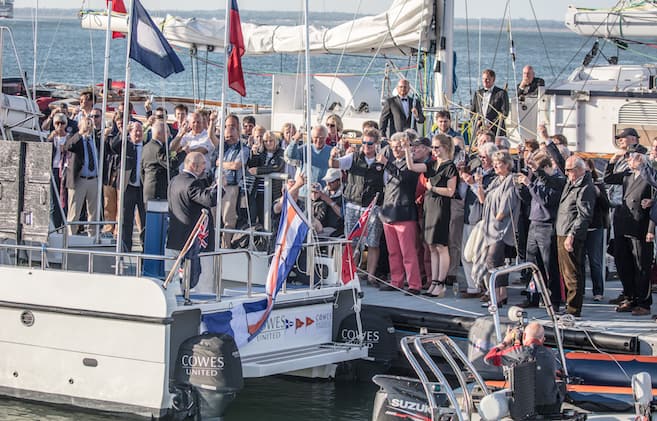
point(210, 364)
point(402, 398)
point(380, 339)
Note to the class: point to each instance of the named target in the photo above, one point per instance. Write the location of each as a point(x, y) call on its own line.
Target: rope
point(467, 43)
point(540, 34)
point(421, 298)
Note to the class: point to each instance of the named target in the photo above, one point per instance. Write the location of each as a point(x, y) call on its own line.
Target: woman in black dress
point(440, 183)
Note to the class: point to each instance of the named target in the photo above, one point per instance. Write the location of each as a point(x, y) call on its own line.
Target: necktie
point(90, 157)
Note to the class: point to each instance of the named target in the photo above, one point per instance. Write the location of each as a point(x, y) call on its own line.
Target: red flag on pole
point(235, 74)
point(359, 230)
point(117, 7)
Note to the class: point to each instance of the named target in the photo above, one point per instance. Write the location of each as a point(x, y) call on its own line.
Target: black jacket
point(394, 118)
point(630, 218)
point(154, 171)
point(188, 196)
point(399, 195)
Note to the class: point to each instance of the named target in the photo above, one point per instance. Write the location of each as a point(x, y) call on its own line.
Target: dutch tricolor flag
point(245, 321)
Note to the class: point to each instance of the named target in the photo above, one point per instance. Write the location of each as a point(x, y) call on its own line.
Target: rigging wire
point(337, 67)
point(499, 34)
point(467, 47)
point(540, 34)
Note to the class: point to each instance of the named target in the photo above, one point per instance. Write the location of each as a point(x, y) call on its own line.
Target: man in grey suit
point(401, 112)
point(573, 218)
point(490, 105)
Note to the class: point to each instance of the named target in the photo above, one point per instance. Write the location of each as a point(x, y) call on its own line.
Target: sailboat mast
point(444, 80)
point(309, 148)
point(36, 31)
point(101, 161)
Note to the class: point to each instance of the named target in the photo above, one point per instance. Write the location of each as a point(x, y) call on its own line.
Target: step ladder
point(296, 359)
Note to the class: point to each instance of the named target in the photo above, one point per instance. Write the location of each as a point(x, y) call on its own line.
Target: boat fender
point(211, 364)
point(495, 406)
point(642, 391)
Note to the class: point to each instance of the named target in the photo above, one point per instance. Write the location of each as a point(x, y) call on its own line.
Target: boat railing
point(458, 362)
point(539, 281)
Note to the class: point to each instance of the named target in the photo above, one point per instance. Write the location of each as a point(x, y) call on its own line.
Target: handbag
point(474, 242)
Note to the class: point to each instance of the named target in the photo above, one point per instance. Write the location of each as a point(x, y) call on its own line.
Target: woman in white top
point(58, 137)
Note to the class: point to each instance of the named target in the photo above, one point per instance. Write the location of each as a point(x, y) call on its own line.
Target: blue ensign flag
point(148, 46)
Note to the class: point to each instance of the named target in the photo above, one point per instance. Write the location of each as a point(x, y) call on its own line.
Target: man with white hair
point(573, 218)
point(295, 154)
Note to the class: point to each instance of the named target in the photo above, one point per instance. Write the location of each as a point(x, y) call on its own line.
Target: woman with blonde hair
point(440, 176)
point(335, 127)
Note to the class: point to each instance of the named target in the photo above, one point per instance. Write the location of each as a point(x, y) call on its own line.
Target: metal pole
point(124, 140)
point(101, 155)
point(309, 150)
point(222, 139)
point(36, 32)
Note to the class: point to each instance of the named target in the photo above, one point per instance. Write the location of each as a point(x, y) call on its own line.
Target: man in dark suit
point(632, 253)
point(154, 164)
point(401, 112)
point(490, 105)
point(133, 196)
point(82, 174)
point(189, 194)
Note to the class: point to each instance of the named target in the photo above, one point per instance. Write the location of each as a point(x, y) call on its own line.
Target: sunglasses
point(59, 123)
point(330, 125)
point(369, 143)
point(159, 116)
point(95, 115)
point(436, 147)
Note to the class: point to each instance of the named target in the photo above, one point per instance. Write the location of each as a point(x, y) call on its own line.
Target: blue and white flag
point(148, 46)
point(246, 320)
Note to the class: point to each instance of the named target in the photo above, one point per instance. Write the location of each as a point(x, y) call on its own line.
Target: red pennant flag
point(309, 321)
point(235, 73)
point(117, 7)
point(299, 323)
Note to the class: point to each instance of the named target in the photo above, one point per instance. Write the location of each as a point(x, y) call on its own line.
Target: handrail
point(422, 376)
point(537, 277)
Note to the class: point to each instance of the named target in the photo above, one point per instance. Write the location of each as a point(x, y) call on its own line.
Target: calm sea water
point(66, 53)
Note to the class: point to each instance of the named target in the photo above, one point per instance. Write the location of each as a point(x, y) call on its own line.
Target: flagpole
point(101, 155)
point(124, 137)
point(310, 265)
point(222, 120)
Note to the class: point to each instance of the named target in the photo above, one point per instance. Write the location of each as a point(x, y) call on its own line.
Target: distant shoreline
point(319, 18)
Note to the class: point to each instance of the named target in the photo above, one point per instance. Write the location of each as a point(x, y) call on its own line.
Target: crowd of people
point(439, 206)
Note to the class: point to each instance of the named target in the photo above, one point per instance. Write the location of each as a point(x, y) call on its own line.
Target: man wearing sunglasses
point(364, 182)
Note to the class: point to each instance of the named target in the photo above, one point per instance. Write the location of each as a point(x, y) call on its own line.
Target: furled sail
point(398, 30)
point(632, 21)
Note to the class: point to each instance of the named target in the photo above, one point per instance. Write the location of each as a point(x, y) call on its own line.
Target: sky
point(545, 9)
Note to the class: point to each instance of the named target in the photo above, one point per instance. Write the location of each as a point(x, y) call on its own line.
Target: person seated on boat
point(61, 108)
point(192, 137)
point(527, 346)
point(529, 84)
point(236, 155)
point(81, 174)
point(85, 107)
point(327, 205)
point(264, 161)
point(189, 194)
point(321, 152)
point(248, 125)
point(364, 182)
point(401, 112)
point(490, 105)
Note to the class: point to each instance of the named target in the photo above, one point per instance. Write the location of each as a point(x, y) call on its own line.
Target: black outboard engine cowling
point(211, 365)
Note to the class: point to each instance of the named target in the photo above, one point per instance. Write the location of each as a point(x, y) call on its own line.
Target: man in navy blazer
point(189, 194)
point(490, 105)
point(401, 112)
